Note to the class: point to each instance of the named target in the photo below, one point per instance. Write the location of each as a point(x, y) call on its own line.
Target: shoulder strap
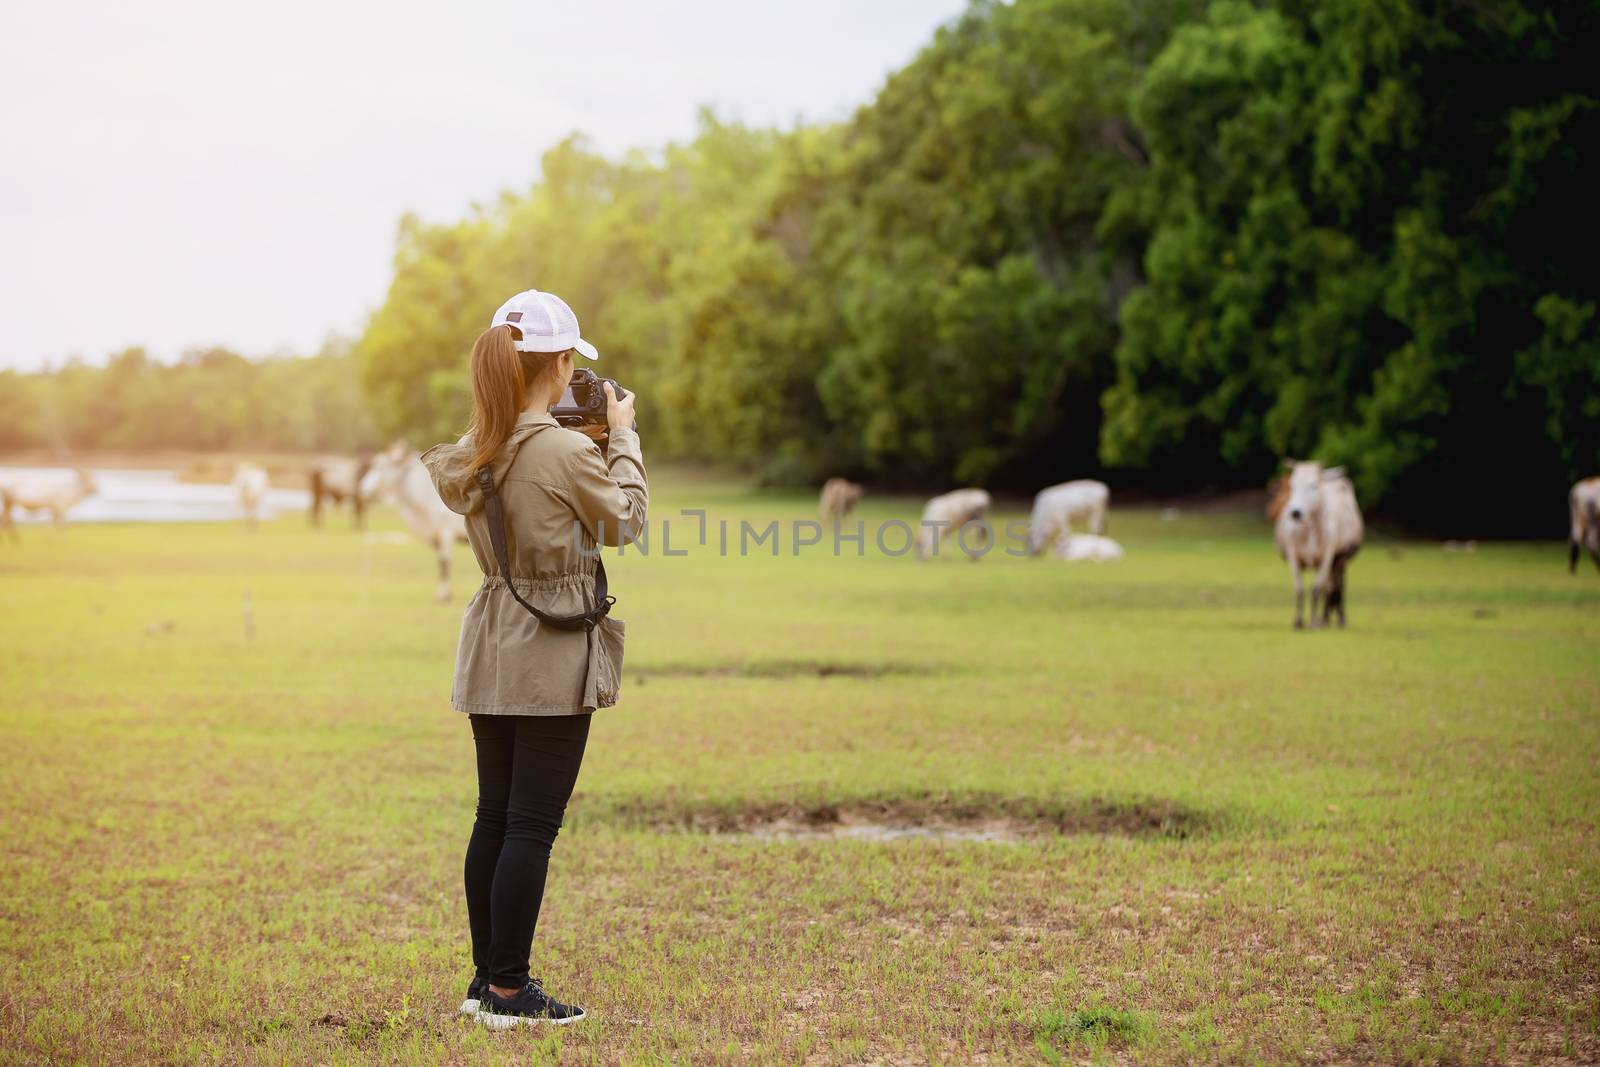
point(494, 513)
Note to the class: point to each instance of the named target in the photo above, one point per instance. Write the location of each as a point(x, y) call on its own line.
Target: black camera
point(584, 402)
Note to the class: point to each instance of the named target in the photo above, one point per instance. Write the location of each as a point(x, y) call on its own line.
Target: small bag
point(494, 512)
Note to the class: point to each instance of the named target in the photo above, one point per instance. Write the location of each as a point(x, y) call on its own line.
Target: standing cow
point(947, 515)
point(1584, 504)
point(1055, 510)
point(338, 479)
point(839, 497)
point(1318, 527)
point(397, 475)
point(47, 493)
point(251, 484)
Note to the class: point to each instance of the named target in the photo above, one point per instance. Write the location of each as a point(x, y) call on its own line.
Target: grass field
point(1216, 839)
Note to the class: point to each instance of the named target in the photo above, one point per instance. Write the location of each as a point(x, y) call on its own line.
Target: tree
point(1358, 215)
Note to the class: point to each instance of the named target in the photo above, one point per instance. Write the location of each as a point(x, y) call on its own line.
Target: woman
point(529, 681)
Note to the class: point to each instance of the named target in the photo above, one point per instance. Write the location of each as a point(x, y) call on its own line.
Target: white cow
point(251, 483)
point(398, 476)
point(945, 516)
point(1056, 508)
point(1584, 504)
point(41, 492)
point(1091, 547)
point(1318, 527)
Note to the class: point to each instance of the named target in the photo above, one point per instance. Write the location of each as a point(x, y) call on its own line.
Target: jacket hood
point(450, 465)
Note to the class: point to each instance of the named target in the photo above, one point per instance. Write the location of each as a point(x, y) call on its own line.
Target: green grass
point(1238, 842)
point(1094, 1029)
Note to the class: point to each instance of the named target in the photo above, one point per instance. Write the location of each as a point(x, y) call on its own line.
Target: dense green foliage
point(209, 400)
point(1368, 243)
point(1177, 240)
point(916, 295)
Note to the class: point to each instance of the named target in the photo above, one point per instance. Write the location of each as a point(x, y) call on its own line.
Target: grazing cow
point(42, 493)
point(946, 515)
point(398, 476)
point(1056, 508)
point(1584, 503)
point(839, 497)
point(250, 482)
point(338, 479)
point(1091, 547)
point(1318, 527)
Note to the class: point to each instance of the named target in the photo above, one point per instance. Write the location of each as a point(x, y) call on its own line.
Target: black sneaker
point(531, 1006)
point(475, 993)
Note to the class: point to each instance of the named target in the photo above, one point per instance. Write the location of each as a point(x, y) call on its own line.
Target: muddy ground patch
point(986, 818)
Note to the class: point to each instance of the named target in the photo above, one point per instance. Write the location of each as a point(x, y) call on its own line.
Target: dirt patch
point(984, 819)
point(992, 831)
point(786, 668)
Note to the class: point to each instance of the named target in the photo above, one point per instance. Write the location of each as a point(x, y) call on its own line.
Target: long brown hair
point(501, 378)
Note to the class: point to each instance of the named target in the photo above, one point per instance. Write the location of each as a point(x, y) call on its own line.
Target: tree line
point(1174, 242)
point(1169, 243)
point(210, 399)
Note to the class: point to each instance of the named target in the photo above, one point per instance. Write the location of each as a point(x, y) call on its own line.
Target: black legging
point(527, 766)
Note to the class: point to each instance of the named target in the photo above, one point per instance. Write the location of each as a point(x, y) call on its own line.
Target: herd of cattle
point(1316, 522)
point(1316, 525)
point(954, 513)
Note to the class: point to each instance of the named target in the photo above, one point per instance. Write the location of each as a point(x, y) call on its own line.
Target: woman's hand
point(592, 430)
point(619, 413)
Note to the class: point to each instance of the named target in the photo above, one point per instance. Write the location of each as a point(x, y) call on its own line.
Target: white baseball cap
point(545, 322)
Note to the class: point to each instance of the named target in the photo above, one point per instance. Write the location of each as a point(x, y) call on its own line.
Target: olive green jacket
point(562, 499)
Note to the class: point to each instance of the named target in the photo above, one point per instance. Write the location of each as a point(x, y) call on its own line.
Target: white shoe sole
point(469, 1007)
point(511, 1022)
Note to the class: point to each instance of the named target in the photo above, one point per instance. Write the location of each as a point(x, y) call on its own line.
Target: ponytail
point(500, 379)
point(499, 389)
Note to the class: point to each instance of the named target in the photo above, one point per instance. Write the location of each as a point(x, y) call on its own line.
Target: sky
point(180, 174)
